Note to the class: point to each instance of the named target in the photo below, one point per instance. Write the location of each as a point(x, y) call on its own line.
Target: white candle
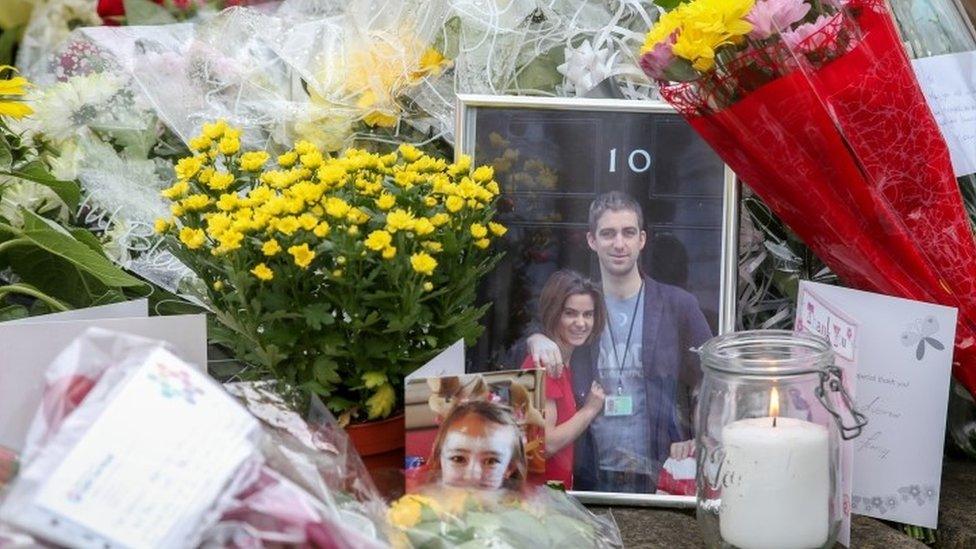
point(777, 483)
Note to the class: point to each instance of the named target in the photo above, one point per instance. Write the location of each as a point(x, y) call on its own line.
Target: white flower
point(585, 67)
point(63, 108)
point(18, 193)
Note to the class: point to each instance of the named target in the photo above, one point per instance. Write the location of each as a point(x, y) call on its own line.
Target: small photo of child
point(480, 431)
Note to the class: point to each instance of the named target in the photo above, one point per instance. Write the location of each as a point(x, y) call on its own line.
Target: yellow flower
point(303, 255)
point(229, 145)
point(287, 159)
point(430, 201)
point(454, 203)
point(432, 62)
point(195, 202)
point(262, 272)
point(270, 247)
point(385, 201)
point(176, 210)
point(478, 230)
point(214, 130)
point(288, 225)
point(428, 286)
point(219, 181)
point(218, 285)
point(357, 216)
point(423, 226)
point(483, 243)
point(227, 202)
point(483, 174)
point(341, 260)
point(407, 511)
point(423, 263)
point(229, 241)
point(410, 153)
point(178, 190)
point(382, 401)
point(304, 147)
point(322, 230)
point(373, 379)
point(433, 246)
point(462, 165)
point(352, 231)
point(336, 207)
point(192, 238)
point(389, 252)
point(188, 167)
point(312, 159)
point(440, 219)
point(375, 116)
point(161, 225)
point(399, 219)
point(492, 187)
point(497, 229)
point(308, 221)
point(200, 143)
point(252, 161)
point(13, 87)
point(378, 240)
point(217, 224)
point(337, 273)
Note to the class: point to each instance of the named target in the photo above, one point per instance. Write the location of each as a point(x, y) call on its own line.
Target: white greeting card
point(140, 463)
point(949, 85)
point(903, 354)
point(29, 346)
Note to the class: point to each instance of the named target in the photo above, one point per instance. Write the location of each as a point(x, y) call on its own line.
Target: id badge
point(618, 405)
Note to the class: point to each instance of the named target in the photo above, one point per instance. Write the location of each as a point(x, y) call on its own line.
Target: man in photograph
point(643, 361)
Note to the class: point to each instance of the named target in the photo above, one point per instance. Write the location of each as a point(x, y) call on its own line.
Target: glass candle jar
point(768, 441)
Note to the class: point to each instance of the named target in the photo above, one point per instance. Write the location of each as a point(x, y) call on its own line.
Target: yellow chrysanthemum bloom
point(478, 230)
point(287, 159)
point(195, 202)
point(410, 153)
point(389, 252)
point(385, 201)
point(188, 167)
point(229, 241)
point(423, 226)
point(270, 248)
point(407, 511)
point(322, 230)
point(219, 181)
point(423, 263)
point(229, 146)
point(482, 243)
point(430, 201)
point(253, 161)
point(176, 210)
point(462, 166)
point(161, 225)
point(377, 240)
point(352, 231)
point(433, 246)
point(303, 255)
point(192, 238)
point(200, 143)
point(262, 272)
point(178, 190)
point(492, 187)
point(312, 159)
point(228, 202)
point(214, 130)
point(454, 203)
point(217, 224)
point(399, 219)
point(288, 225)
point(440, 219)
point(308, 221)
point(497, 229)
point(336, 207)
point(483, 174)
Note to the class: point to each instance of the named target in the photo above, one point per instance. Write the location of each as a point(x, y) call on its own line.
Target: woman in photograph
point(479, 445)
point(572, 314)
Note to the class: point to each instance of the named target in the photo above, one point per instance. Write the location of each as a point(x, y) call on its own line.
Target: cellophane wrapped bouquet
point(816, 108)
point(542, 517)
point(274, 477)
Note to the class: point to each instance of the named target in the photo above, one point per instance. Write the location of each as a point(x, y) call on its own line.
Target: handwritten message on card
point(949, 84)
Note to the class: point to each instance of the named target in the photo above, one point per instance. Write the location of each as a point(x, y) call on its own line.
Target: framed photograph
point(620, 260)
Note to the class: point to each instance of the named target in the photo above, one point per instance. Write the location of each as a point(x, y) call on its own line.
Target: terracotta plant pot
point(381, 446)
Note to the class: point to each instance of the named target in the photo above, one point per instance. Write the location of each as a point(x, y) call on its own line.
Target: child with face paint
point(479, 445)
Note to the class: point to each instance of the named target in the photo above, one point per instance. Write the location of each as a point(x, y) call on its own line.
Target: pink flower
point(797, 36)
point(657, 60)
point(771, 16)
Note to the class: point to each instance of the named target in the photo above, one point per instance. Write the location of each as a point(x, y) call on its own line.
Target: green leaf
point(668, 5)
point(680, 70)
point(144, 12)
point(317, 315)
point(13, 312)
point(325, 371)
point(88, 239)
point(69, 191)
point(56, 240)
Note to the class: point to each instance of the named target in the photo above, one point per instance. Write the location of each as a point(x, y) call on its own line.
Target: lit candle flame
point(774, 405)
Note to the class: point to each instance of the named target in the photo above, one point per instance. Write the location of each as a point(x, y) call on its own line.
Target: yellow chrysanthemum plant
point(335, 275)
